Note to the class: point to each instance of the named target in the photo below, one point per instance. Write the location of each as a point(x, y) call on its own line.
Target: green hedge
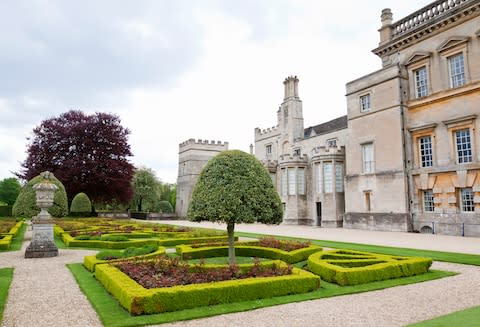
point(6, 210)
point(138, 300)
point(91, 261)
point(346, 267)
point(7, 239)
point(295, 256)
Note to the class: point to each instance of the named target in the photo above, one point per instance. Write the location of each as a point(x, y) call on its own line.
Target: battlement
point(291, 87)
point(289, 158)
point(328, 151)
point(200, 142)
point(270, 130)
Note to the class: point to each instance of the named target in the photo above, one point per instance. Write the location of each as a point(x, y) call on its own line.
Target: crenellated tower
point(193, 155)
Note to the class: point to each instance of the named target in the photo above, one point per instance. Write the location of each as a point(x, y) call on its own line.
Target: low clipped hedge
point(90, 262)
point(72, 242)
point(347, 267)
point(187, 252)
point(6, 239)
point(139, 300)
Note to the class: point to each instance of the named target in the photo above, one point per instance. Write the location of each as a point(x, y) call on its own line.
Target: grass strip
point(6, 276)
point(468, 317)
point(462, 258)
point(112, 315)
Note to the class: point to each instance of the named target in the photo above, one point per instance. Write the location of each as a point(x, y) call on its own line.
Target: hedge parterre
point(347, 267)
point(121, 234)
point(139, 300)
point(7, 237)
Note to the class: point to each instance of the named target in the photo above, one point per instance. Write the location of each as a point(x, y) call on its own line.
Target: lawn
point(468, 317)
point(111, 314)
point(6, 276)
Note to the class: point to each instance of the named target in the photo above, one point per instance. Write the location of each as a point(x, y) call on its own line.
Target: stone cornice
point(426, 22)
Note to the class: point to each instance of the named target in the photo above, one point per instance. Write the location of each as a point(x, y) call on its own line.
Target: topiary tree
point(234, 187)
point(164, 206)
point(25, 205)
point(81, 205)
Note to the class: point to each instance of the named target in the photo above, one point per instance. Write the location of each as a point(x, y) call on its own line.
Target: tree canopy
point(88, 153)
point(234, 187)
point(9, 190)
point(149, 192)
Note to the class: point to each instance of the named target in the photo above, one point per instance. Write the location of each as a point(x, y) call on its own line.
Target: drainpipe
point(406, 149)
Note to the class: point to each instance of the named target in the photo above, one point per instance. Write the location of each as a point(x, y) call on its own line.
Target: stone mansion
point(406, 157)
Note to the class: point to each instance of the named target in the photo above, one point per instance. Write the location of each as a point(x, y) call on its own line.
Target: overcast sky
point(179, 69)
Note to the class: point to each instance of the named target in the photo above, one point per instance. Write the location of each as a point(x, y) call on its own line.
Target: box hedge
point(346, 267)
point(7, 239)
point(187, 252)
point(139, 300)
point(91, 261)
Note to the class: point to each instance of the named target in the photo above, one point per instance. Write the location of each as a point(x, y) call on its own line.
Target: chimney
point(386, 31)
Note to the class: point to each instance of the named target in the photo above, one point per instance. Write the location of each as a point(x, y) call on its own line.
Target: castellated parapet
point(193, 156)
point(262, 134)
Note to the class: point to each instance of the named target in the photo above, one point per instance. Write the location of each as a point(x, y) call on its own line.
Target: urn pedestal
point(43, 245)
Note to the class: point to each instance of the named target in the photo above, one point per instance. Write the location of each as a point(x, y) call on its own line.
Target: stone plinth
point(42, 245)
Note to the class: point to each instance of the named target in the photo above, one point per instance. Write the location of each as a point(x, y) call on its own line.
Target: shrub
point(109, 254)
point(81, 205)
point(136, 251)
point(5, 211)
point(345, 267)
point(25, 205)
point(164, 206)
point(114, 238)
point(138, 300)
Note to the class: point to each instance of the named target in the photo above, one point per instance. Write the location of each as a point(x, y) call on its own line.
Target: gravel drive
point(44, 293)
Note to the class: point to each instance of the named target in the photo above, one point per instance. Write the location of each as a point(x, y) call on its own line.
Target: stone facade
point(193, 156)
point(407, 155)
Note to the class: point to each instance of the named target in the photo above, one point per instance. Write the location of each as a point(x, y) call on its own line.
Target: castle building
point(406, 157)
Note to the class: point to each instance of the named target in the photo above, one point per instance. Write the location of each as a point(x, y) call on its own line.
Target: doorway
point(319, 213)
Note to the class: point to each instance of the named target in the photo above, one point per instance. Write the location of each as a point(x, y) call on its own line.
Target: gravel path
point(396, 306)
point(44, 293)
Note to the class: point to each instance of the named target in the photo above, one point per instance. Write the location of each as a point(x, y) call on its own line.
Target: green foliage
point(81, 204)
point(138, 300)
point(234, 187)
point(295, 256)
point(345, 267)
point(114, 238)
point(164, 206)
point(25, 205)
point(9, 190)
point(5, 210)
point(136, 251)
point(109, 254)
point(172, 197)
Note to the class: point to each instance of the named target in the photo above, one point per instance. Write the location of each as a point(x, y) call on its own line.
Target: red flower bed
point(271, 242)
point(166, 272)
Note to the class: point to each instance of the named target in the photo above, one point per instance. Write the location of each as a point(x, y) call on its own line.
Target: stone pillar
point(43, 245)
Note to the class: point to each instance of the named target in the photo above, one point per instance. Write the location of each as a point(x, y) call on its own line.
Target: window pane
point(284, 182)
point(426, 154)
point(318, 173)
point(301, 181)
point(464, 146)
point(291, 181)
point(421, 83)
point(268, 149)
point(368, 161)
point(428, 204)
point(467, 200)
point(339, 177)
point(457, 70)
point(365, 102)
point(328, 178)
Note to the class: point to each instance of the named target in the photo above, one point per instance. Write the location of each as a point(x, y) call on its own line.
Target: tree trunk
point(231, 243)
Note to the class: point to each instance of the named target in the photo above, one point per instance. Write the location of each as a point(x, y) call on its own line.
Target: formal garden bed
point(266, 247)
point(9, 229)
point(121, 234)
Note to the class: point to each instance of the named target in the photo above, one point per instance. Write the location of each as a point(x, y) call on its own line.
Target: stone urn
point(43, 244)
